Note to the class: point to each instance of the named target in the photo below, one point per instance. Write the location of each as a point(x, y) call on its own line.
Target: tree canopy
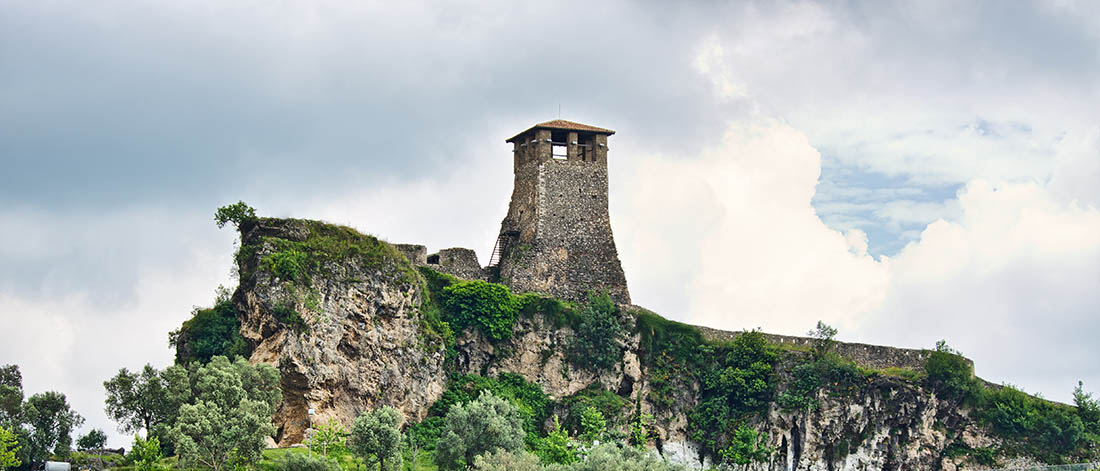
point(52, 421)
point(229, 415)
point(376, 437)
point(484, 425)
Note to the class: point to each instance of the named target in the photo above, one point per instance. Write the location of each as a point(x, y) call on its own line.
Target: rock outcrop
point(344, 318)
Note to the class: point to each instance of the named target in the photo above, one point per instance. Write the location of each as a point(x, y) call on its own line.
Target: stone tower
point(556, 238)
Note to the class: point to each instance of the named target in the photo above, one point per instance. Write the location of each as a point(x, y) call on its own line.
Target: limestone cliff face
point(360, 346)
point(348, 334)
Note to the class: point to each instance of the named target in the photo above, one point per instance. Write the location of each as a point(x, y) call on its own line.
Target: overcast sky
point(906, 172)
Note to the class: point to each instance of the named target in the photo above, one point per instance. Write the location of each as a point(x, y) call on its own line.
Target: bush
point(612, 457)
point(208, 333)
point(607, 403)
point(290, 264)
point(501, 460)
point(1038, 427)
point(533, 404)
point(489, 306)
point(738, 385)
point(556, 447)
point(300, 462)
point(144, 454)
point(596, 338)
point(950, 375)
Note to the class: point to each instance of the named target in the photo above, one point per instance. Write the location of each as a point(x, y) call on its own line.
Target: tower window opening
point(559, 151)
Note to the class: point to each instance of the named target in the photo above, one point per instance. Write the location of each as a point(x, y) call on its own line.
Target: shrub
point(502, 460)
point(612, 457)
point(145, 454)
point(208, 333)
point(607, 403)
point(596, 339)
point(489, 306)
point(556, 447)
point(1041, 428)
point(747, 446)
point(950, 375)
point(290, 264)
point(737, 385)
point(300, 462)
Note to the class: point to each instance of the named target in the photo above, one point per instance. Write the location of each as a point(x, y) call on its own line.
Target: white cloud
point(754, 253)
point(1012, 277)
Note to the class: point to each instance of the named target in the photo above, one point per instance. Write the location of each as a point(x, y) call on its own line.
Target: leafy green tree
point(331, 434)
point(138, 400)
point(376, 437)
point(11, 396)
point(593, 425)
point(52, 421)
point(486, 424)
point(596, 341)
point(239, 213)
point(502, 460)
point(823, 336)
point(95, 439)
point(1088, 409)
point(641, 429)
point(145, 454)
point(556, 447)
point(9, 447)
point(747, 446)
point(228, 414)
point(300, 462)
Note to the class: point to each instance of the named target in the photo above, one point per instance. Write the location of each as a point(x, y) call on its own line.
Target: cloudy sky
point(907, 172)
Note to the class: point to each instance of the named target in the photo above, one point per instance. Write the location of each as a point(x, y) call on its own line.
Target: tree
point(596, 341)
point(228, 414)
point(556, 447)
point(484, 425)
point(9, 446)
point(823, 336)
point(1087, 408)
point(237, 213)
point(138, 401)
point(95, 439)
point(52, 421)
point(145, 454)
point(376, 437)
point(593, 424)
point(747, 446)
point(330, 434)
point(11, 396)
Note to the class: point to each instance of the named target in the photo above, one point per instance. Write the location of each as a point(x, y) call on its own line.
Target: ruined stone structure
point(556, 238)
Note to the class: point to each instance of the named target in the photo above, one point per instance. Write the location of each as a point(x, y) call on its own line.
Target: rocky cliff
point(353, 324)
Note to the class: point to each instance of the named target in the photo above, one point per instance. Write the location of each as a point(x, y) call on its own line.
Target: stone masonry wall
point(868, 356)
point(573, 249)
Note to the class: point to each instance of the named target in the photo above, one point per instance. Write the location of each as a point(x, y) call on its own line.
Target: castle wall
point(868, 356)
